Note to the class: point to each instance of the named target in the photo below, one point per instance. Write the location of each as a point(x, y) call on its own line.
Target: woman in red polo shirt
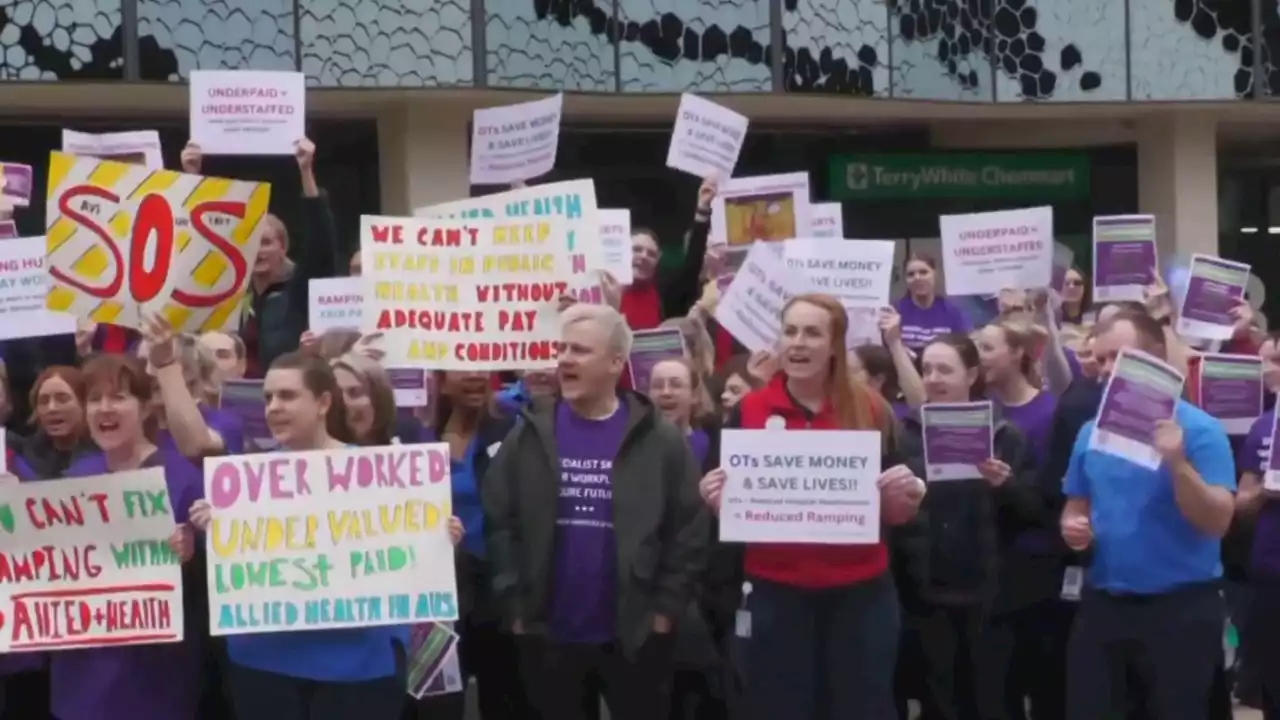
point(823, 618)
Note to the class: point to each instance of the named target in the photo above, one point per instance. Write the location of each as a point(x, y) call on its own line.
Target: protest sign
point(515, 142)
point(1124, 256)
point(750, 309)
point(988, 252)
point(247, 112)
point(124, 241)
point(135, 147)
point(1231, 390)
point(1214, 288)
point(15, 184)
point(574, 201)
point(433, 660)
point(1142, 391)
point(859, 272)
point(766, 207)
point(800, 486)
point(464, 294)
point(958, 438)
point(826, 220)
point(86, 562)
point(409, 385)
point(615, 243)
point(244, 399)
point(650, 347)
point(352, 537)
point(24, 283)
point(8, 230)
point(335, 304)
point(706, 139)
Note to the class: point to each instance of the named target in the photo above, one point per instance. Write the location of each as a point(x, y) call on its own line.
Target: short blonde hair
point(604, 317)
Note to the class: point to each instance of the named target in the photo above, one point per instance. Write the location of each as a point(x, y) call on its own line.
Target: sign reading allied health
point(86, 562)
point(1012, 176)
point(330, 539)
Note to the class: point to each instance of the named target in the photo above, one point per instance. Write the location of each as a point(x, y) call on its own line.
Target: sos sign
point(154, 225)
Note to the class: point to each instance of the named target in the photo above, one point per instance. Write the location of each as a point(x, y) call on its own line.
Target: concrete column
point(1178, 182)
point(423, 154)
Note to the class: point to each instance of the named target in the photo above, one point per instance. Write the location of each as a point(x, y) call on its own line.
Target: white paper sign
point(706, 139)
point(137, 147)
point(515, 142)
point(800, 486)
point(859, 272)
point(615, 243)
point(751, 307)
point(826, 220)
point(87, 563)
point(984, 253)
point(766, 207)
point(24, 285)
point(355, 537)
point(334, 304)
point(247, 112)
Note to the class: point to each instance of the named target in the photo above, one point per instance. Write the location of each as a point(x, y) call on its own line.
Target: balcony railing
point(959, 50)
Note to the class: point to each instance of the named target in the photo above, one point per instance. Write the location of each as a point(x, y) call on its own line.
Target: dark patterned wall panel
point(707, 45)
point(60, 40)
point(178, 36)
point(837, 46)
point(551, 44)
point(1190, 49)
point(1064, 51)
point(940, 50)
point(1270, 48)
point(377, 43)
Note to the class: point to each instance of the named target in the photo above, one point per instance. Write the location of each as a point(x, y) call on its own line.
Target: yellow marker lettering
point(392, 519)
point(423, 350)
point(462, 266)
point(520, 263)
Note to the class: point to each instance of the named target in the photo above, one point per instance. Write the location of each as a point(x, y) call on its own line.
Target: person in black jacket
point(949, 559)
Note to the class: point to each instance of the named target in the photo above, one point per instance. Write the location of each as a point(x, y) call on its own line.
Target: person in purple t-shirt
point(185, 379)
point(925, 315)
point(595, 531)
point(1260, 644)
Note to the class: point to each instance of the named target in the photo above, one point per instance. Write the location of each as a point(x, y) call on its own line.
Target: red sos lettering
point(154, 223)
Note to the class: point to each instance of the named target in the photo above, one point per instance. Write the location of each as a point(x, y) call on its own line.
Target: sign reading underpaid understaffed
point(330, 539)
point(86, 562)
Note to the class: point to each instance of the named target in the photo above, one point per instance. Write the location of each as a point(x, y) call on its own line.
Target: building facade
point(1161, 106)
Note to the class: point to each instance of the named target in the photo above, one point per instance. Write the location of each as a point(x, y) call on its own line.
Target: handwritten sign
point(826, 220)
point(574, 201)
point(86, 562)
point(515, 142)
point(334, 304)
point(23, 287)
point(464, 294)
point(330, 539)
point(124, 241)
point(706, 139)
point(247, 112)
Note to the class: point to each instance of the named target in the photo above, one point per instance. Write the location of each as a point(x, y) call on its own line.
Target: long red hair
point(856, 406)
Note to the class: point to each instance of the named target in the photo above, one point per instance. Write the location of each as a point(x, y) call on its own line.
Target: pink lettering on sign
point(237, 479)
point(398, 468)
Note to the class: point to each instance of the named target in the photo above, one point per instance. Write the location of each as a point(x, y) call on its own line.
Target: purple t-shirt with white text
point(1252, 458)
point(921, 325)
point(1034, 419)
point(584, 592)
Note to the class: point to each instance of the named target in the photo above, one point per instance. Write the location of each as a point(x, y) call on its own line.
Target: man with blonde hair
point(595, 531)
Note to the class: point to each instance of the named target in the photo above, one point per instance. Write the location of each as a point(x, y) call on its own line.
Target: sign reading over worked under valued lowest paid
point(800, 486)
point(354, 537)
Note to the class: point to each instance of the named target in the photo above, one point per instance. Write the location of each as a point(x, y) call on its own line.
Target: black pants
point(1031, 645)
point(258, 695)
point(696, 695)
point(555, 676)
point(489, 655)
point(963, 680)
point(1264, 642)
point(1171, 642)
point(25, 696)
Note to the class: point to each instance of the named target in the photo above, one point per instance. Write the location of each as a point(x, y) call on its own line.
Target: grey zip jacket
point(660, 523)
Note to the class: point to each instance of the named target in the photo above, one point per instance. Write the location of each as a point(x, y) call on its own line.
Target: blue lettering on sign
point(435, 606)
point(272, 613)
point(568, 206)
point(344, 611)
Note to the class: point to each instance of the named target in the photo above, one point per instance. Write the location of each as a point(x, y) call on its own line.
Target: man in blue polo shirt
point(1151, 608)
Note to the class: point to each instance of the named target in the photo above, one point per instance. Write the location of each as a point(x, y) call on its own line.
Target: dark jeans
point(1031, 645)
point(961, 682)
point(697, 695)
point(822, 654)
point(25, 696)
point(1171, 643)
point(1264, 642)
point(258, 695)
point(489, 655)
point(555, 676)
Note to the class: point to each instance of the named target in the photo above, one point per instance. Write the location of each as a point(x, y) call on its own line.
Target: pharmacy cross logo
point(858, 176)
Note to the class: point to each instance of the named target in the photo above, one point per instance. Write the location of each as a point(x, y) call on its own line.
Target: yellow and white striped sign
point(125, 242)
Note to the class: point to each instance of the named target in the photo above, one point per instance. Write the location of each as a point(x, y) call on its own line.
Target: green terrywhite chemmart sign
point(1020, 176)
